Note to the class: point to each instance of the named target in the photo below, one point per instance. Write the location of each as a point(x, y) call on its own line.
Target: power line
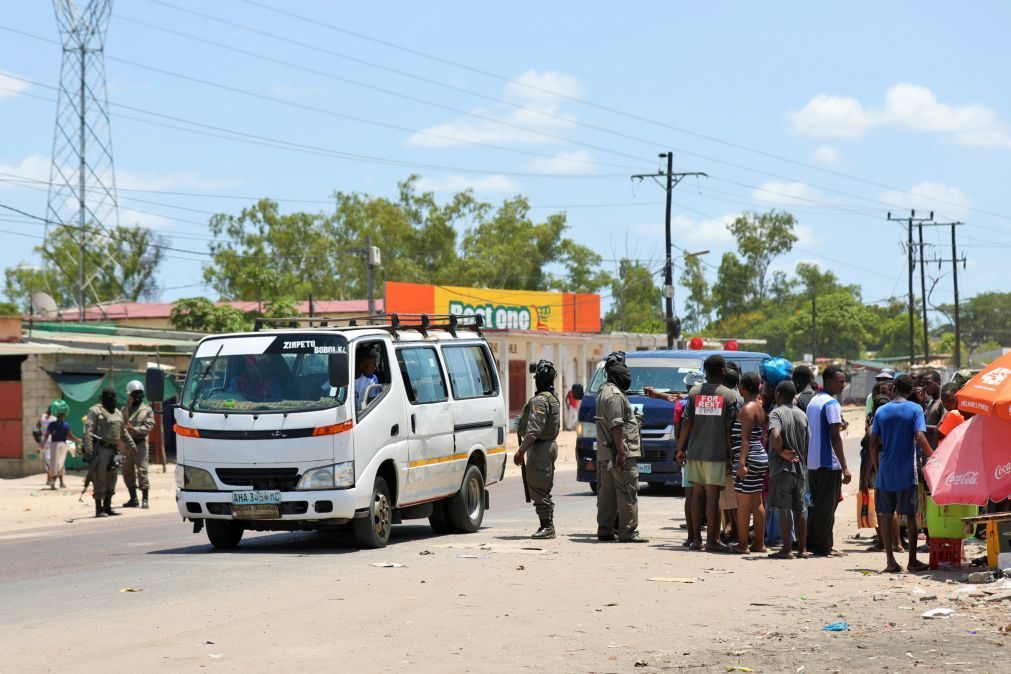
point(576, 99)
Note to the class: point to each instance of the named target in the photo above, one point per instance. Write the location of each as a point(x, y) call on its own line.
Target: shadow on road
point(300, 543)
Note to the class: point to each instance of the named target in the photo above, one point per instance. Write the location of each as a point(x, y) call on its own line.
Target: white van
point(317, 426)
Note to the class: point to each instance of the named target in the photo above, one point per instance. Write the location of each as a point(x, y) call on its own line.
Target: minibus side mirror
point(154, 384)
point(577, 391)
point(337, 369)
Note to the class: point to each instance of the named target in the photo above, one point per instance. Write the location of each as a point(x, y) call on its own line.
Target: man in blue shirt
point(898, 428)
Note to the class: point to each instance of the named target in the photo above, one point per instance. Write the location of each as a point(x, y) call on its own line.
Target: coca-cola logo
point(1002, 470)
point(970, 477)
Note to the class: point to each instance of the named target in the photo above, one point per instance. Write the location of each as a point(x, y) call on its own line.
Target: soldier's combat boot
point(132, 503)
point(107, 507)
point(547, 530)
point(99, 510)
point(143, 499)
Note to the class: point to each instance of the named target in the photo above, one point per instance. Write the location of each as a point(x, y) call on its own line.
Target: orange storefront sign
point(500, 309)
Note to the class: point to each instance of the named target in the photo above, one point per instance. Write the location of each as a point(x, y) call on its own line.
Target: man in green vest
point(538, 429)
point(105, 429)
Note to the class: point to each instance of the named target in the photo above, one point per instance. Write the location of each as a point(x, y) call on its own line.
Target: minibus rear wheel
point(223, 533)
point(466, 507)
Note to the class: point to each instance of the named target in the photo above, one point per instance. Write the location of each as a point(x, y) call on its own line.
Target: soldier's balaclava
point(109, 399)
point(544, 376)
point(616, 370)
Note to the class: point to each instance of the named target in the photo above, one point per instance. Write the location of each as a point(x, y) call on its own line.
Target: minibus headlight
point(196, 479)
point(337, 476)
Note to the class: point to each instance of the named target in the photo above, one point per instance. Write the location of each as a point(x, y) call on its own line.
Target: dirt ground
point(494, 600)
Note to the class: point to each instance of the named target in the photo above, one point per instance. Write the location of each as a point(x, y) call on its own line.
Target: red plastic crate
point(945, 552)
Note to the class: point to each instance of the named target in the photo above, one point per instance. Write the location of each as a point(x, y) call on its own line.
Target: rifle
point(526, 487)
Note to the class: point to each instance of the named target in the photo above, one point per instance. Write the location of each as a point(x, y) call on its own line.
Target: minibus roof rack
point(392, 323)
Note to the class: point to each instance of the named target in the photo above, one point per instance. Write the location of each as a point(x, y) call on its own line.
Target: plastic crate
point(945, 552)
point(946, 521)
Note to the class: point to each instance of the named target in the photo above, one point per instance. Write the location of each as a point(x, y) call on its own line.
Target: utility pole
point(672, 180)
point(911, 264)
point(814, 323)
point(373, 258)
point(955, 260)
point(923, 294)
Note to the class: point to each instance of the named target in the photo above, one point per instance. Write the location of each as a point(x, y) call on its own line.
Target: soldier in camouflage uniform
point(618, 451)
point(538, 429)
point(105, 429)
point(139, 423)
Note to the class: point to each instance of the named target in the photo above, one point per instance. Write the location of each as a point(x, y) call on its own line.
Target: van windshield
point(269, 373)
point(666, 375)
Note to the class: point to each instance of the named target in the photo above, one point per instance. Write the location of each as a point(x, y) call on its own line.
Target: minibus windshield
point(269, 373)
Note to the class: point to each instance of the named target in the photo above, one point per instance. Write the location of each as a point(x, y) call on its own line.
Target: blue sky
point(838, 114)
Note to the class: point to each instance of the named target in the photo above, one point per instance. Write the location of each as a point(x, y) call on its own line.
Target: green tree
point(733, 288)
point(985, 318)
point(265, 255)
point(120, 263)
point(698, 304)
point(199, 314)
point(761, 238)
point(635, 300)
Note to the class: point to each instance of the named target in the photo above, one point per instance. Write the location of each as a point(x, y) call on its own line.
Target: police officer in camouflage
point(618, 451)
point(538, 429)
point(105, 429)
point(139, 419)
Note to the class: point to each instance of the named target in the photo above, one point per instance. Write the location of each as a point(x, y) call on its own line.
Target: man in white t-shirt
point(826, 462)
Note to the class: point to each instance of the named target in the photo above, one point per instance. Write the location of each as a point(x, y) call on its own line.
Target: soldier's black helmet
point(614, 358)
point(544, 374)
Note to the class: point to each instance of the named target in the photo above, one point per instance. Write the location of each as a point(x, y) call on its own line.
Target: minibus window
point(470, 371)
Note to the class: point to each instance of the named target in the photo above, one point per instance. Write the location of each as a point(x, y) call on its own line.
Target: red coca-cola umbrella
point(972, 463)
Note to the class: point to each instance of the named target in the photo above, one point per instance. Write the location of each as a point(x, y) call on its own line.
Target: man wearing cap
point(618, 451)
point(106, 429)
point(538, 428)
point(886, 374)
point(139, 424)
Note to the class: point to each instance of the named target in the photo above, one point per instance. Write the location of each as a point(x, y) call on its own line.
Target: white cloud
point(831, 117)
point(177, 180)
point(549, 84)
point(907, 106)
point(541, 114)
point(705, 231)
point(286, 90)
point(456, 183)
point(577, 161)
point(931, 196)
point(11, 86)
point(129, 218)
point(33, 168)
point(785, 193)
point(826, 154)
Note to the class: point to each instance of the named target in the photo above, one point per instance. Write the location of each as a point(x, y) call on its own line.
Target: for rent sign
point(500, 309)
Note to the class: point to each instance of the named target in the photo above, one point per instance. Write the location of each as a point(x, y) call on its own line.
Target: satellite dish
point(44, 305)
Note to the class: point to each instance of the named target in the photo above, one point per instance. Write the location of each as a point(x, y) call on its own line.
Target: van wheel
point(373, 531)
point(223, 533)
point(440, 518)
point(466, 507)
point(593, 488)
